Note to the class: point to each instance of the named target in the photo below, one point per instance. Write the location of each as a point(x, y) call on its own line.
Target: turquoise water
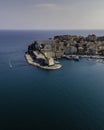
point(70, 98)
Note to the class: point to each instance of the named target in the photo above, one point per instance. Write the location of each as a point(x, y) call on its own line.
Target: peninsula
point(44, 53)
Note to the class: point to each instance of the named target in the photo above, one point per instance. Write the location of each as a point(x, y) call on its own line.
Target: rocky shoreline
point(32, 62)
point(43, 53)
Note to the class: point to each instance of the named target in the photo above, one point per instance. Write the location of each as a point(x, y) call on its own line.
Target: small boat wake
point(16, 64)
point(10, 64)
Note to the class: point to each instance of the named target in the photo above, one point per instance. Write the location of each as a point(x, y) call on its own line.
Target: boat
point(67, 57)
point(76, 58)
point(56, 62)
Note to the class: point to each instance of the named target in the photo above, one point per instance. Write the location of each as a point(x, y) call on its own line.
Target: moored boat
point(76, 58)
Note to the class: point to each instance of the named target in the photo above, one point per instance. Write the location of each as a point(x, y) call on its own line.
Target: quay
point(83, 56)
point(32, 62)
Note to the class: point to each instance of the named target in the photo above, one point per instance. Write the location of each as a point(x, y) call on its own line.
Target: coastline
point(87, 56)
point(58, 66)
point(42, 53)
point(30, 61)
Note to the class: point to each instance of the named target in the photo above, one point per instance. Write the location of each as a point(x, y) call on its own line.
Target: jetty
point(34, 63)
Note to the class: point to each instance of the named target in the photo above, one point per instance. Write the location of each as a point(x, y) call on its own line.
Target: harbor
point(44, 53)
point(32, 62)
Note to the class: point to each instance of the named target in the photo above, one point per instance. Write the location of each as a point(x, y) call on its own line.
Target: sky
point(51, 14)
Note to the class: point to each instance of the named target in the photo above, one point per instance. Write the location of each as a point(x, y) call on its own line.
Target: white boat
point(99, 61)
point(76, 58)
point(68, 57)
point(57, 62)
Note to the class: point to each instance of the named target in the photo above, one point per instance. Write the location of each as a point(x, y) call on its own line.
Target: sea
point(70, 98)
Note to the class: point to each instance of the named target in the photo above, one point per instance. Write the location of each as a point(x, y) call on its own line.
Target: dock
point(32, 62)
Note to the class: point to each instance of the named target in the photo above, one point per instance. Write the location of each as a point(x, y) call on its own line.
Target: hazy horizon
point(51, 15)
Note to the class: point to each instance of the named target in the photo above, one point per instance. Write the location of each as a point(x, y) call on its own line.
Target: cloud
point(46, 5)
